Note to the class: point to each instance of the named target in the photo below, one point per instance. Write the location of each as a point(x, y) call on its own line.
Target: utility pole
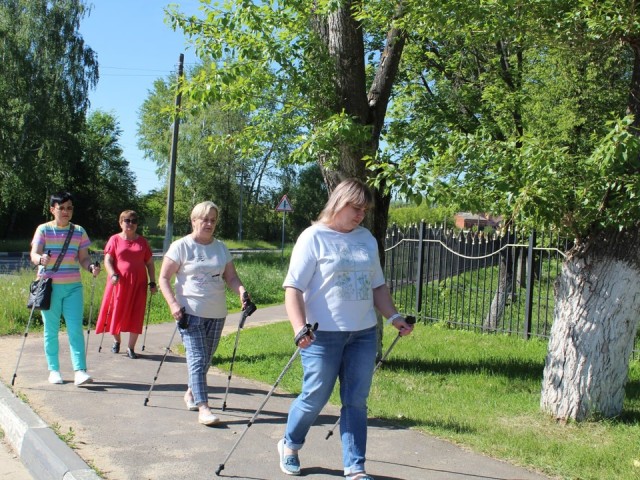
point(168, 233)
point(241, 200)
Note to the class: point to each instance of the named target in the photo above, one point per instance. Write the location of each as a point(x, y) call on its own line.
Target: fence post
point(528, 305)
point(394, 234)
point(420, 266)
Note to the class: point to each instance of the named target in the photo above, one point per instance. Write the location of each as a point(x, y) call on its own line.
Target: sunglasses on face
point(131, 220)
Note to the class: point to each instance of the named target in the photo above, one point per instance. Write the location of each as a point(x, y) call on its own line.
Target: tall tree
point(109, 186)
point(45, 73)
point(327, 66)
point(519, 109)
point(512, 107)
point(221, 156)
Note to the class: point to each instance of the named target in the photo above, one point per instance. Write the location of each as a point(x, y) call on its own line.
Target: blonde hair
point(126, 214)
point(350, 191)
point(202, 209)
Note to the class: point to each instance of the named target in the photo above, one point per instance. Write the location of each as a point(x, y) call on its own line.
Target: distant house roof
point(468, 220)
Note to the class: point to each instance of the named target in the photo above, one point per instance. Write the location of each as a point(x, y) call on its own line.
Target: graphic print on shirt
point(205, 271)
point(352, 272)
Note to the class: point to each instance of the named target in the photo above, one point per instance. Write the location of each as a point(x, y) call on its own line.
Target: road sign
point(284, 205)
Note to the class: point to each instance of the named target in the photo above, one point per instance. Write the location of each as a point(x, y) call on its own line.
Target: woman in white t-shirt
point(335, 280)
point(202, 266)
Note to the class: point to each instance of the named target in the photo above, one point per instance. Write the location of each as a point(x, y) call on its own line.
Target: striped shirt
point(51, 238)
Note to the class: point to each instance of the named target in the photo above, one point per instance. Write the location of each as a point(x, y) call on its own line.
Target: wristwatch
point(116, 276)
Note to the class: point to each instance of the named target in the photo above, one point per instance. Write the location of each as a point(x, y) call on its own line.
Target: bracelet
point(394, 317)
point(115, 275)
point(152, 284)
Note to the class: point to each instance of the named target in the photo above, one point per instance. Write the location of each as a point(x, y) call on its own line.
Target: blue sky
point(134, 48)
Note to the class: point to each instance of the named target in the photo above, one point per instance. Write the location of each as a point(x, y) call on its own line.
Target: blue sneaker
point(289, 464)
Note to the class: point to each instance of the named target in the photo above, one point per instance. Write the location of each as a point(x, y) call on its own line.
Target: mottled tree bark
point(596, 320)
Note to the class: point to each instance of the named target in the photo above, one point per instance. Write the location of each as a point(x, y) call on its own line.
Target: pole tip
point(146, 400)
point(220, 468)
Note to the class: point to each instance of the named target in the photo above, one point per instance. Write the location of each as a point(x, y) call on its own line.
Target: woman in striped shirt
point(66, 295)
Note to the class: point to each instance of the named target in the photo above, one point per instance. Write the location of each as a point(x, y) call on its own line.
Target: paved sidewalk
point(122, 439)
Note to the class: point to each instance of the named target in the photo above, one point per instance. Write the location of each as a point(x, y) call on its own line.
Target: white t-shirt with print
point(199, 284)
point(337, 273)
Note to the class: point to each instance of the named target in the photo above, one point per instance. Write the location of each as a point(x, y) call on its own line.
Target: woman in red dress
point(129, 263)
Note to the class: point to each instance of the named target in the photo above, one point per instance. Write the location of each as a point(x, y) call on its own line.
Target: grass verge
point(478, 391)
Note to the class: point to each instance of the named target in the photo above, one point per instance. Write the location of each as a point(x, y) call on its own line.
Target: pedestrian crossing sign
point(284, 205)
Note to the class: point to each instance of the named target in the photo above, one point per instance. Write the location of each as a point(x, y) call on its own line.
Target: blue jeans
point(349, 356)
point(66, 301)
point(200, 338)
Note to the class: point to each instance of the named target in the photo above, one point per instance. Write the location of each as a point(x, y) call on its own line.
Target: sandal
point(116, 347)
point(191, 405)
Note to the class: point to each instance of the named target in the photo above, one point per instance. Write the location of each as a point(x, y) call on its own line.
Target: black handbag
point(40, 294)
point(40, 290)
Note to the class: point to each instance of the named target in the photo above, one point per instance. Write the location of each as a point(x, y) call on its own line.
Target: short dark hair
point(59, 198)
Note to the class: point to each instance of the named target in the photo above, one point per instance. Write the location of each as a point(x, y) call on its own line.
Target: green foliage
point(411, 214)
point(45, 74)
point(114, 189)
point(68, 437)
point(310, 81)
point(308, 197)
point(519, 110)
point(239, 161)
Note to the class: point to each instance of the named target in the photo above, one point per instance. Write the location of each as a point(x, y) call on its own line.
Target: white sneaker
point(208, 418)
point(55, 377)
point(81, 378)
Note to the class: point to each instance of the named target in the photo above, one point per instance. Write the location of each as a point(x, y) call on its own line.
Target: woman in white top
point(335, 280)
point(202, 266)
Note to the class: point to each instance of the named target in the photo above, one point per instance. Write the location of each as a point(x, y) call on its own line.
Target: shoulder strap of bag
point(64, 248)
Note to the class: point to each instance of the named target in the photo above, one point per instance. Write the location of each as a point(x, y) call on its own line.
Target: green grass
point(479, 391)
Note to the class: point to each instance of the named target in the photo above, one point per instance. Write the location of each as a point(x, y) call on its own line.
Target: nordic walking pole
point(410, 320)
point(26, 332)
point(146, 400)
point(144, 339)
point(306, 331)
point(248, 310)
point(109, 314)
point(93, 287)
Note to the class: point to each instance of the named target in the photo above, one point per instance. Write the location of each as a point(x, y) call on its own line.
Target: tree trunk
point(505, 289)
point(505, 284)
point(344, 37)
point(595, 324)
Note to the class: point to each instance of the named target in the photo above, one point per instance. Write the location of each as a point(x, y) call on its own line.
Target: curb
point(40, 449)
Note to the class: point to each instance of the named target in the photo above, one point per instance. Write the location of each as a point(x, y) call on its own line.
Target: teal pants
point(67, 302)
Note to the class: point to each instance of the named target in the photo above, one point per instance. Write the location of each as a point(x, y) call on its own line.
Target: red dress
point(123, 304)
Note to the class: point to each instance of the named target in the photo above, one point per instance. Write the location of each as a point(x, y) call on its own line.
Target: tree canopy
point(46, 142)
point(519, 109)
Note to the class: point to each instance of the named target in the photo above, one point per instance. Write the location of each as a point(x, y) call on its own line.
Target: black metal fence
point(501, 283)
